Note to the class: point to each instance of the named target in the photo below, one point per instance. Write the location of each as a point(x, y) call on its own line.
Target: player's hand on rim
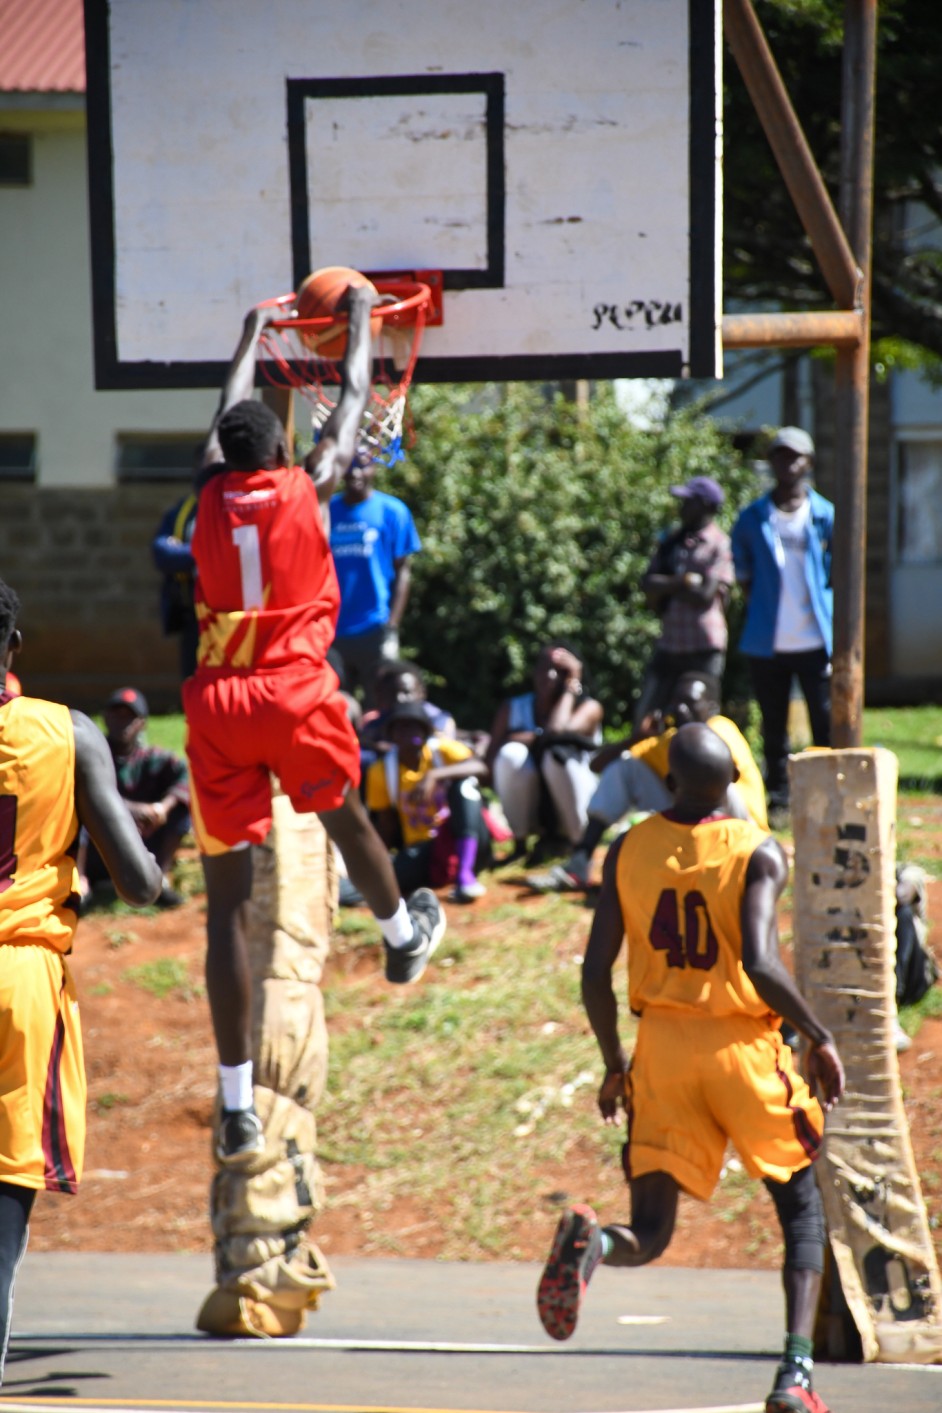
point(365, 294)
point(259, 316)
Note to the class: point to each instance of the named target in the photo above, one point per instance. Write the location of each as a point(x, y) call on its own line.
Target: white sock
point(235, 1081)
point(608, 1244)
point(398, 929)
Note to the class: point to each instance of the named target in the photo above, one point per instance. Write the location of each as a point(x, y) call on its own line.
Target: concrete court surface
point(115, 1332)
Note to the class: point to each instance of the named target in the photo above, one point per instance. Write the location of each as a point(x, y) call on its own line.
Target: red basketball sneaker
point(576, 1251)
point(795, 1399)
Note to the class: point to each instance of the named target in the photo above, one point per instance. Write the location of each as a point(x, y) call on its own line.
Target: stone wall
point(80, 561)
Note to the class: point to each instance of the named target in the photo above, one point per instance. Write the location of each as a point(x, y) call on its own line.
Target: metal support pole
point(842, 327)
point(852, 404)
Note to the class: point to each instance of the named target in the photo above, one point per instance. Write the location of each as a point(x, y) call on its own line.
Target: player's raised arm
point(240, 380)
point(329, 458)
point(134, 871)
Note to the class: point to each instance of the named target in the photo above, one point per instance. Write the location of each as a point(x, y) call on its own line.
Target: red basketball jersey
point(266, 591)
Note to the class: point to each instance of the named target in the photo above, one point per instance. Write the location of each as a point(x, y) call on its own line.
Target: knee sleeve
point(801, 1216)
point(15, 1205)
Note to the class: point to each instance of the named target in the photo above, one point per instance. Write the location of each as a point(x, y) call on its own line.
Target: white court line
point(642, 1319)
point(198, 1341)
point(141, 1406)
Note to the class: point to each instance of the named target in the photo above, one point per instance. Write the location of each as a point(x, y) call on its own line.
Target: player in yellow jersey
point(694, 893)
point(55, 773)
point(634, 773)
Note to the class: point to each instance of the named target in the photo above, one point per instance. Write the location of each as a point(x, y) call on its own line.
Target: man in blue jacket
point(782, 554)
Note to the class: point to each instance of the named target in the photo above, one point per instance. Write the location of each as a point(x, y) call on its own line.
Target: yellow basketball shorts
point(42, 1070)
point(696, 1082)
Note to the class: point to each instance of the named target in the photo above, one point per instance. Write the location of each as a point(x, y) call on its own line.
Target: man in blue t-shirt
point(372, 536)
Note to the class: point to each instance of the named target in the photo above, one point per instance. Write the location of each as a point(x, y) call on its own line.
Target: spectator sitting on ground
point(154, 785)
point(688, 583)
point(634, 779)
point(539, 752)
point(425, 800)
point(396, 682)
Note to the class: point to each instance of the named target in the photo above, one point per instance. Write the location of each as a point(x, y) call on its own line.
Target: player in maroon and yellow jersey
point(265, 702)
point(694, 893)
point(55, 773)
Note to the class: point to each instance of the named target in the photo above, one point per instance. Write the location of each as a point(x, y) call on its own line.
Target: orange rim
point(405, 309)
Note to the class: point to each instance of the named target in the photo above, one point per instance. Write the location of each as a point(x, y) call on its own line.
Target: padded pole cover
point(269, 1272)
point(843, 807)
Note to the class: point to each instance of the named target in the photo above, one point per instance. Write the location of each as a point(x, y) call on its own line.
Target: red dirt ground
point(151, 1075)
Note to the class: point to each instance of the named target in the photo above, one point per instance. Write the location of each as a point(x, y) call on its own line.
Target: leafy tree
point(768, 260)
point(537, 522)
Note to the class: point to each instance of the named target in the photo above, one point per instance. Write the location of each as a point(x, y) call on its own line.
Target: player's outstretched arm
point(329, 459)
point(240, 380)
point(598, 993)
point(765, 879)
point(135, 872)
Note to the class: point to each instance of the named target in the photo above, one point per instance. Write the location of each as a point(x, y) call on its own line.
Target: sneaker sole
point(244, 1158)
point(421, 960)
point(794, 1403)
point(561, 1289)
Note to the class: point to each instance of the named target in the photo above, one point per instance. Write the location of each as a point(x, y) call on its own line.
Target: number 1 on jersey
point(245, 538)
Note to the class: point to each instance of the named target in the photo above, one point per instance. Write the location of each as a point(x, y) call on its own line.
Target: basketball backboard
point(558, 162)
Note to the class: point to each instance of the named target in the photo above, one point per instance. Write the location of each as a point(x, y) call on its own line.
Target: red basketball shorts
point(244, 728)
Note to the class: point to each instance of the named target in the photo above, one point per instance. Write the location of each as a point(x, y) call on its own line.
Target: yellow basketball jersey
point(653, 750)
point(680, 887)
point(38, 823)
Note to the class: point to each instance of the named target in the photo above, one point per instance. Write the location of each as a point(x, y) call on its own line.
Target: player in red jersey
point(264, 701)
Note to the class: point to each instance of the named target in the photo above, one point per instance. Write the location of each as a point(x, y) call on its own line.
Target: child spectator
point(398, 681)
point(426, 803)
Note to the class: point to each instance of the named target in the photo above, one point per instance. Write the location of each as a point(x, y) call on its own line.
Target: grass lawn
point(914, 734)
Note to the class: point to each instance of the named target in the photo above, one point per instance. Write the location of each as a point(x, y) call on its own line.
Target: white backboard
point(559, 162)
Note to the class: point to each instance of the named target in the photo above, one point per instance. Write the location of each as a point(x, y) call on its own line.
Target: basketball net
point(287, 362)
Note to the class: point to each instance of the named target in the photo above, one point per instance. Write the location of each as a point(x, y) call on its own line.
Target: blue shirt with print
point(367, 540)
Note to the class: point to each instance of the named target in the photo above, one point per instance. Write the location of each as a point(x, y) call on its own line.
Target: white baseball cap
point(795, 439)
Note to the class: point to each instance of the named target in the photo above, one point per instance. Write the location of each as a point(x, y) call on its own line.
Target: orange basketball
point(318, 298)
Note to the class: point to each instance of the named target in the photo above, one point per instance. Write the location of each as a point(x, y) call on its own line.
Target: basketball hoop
point(288, 361)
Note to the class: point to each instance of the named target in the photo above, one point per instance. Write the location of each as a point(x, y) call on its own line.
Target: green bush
point(537, 521)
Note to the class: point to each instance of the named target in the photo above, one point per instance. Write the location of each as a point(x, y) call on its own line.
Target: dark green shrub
point(537, 521)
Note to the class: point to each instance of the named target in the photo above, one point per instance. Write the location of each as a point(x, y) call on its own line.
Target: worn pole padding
point(269, 1272)
point(844, 817)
